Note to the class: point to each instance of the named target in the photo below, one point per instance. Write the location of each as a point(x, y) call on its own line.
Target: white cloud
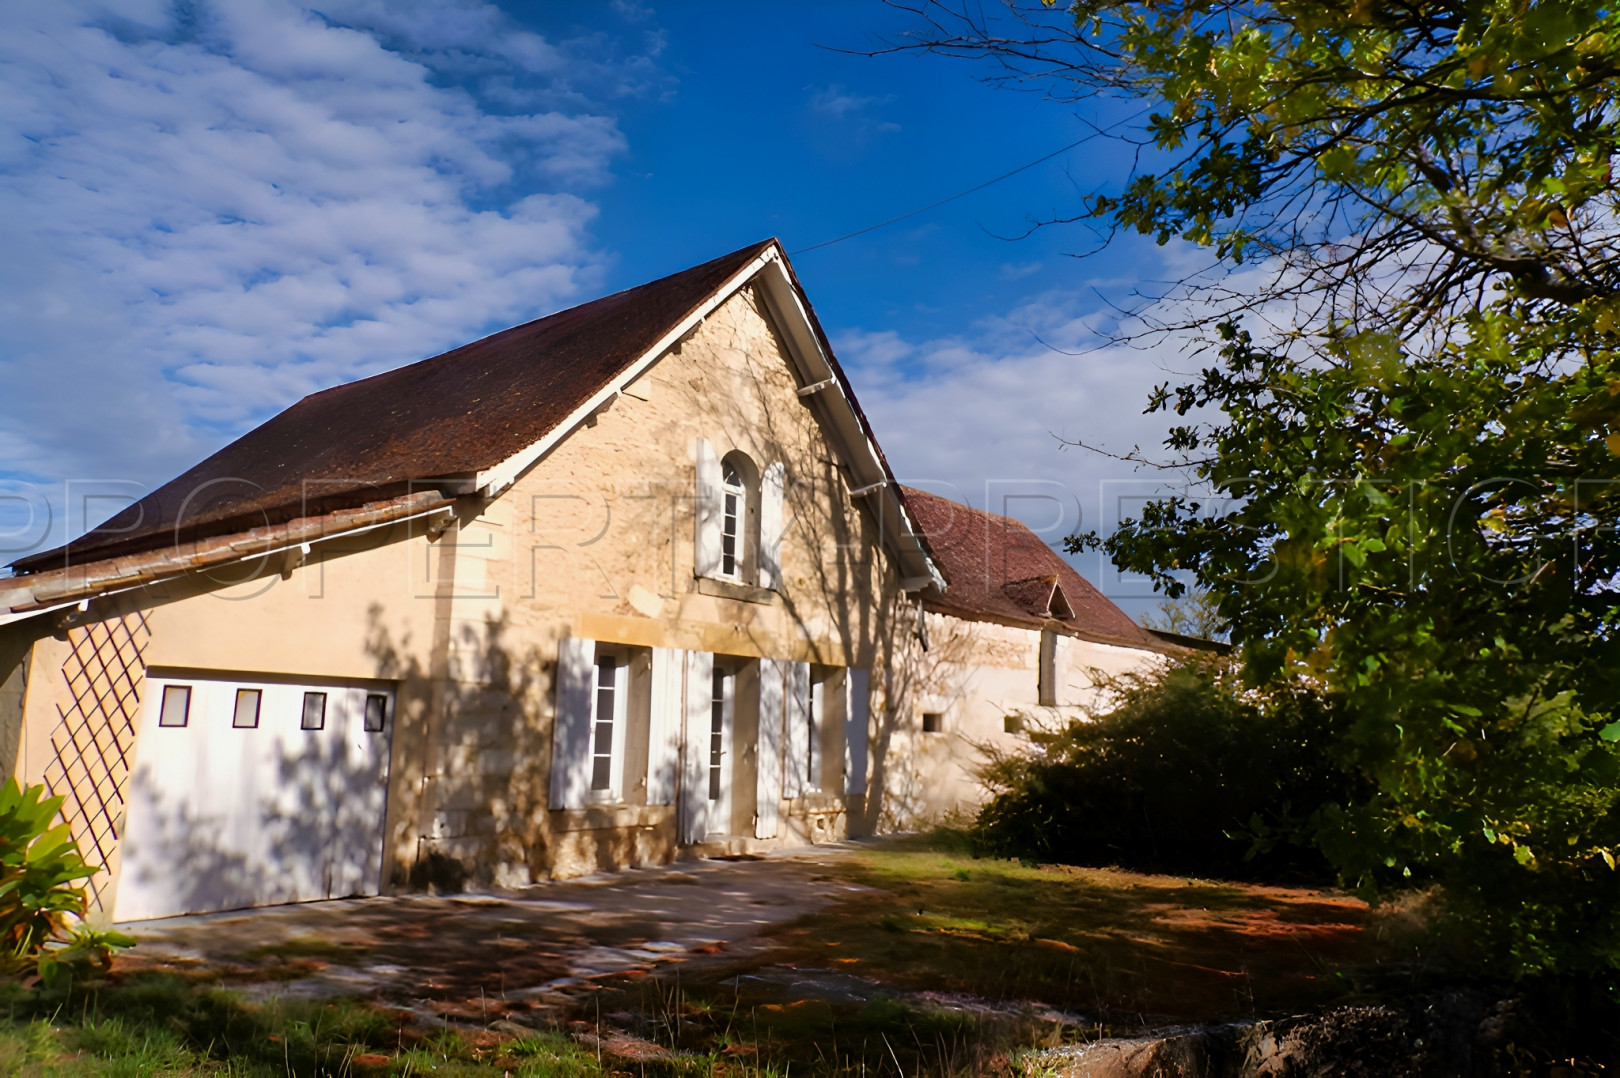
point(1014, 271)
point(849, 112)
point(983, 418)
point(212, 213)
point(836, 101)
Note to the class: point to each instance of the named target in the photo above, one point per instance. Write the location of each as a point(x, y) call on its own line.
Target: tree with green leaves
point(1410, 464)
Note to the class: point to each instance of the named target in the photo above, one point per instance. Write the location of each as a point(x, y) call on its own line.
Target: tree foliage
point(1397, 161)
point(1189, 771)
point(1411, 484)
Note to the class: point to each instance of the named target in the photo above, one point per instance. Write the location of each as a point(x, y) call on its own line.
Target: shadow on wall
point(842, 595)
point(16, 643)
point(942, 676)
point(465, 761)
point(841, 582)
point(470, 749)
point(472, 756)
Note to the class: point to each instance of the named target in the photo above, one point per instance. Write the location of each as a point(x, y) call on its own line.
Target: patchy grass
point(939, 964)
point(310, 949)
point(159, 1024)
point(1114, 945)
point(755, 1026)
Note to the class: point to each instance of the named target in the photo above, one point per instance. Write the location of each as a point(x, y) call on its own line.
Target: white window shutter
point(771, 486)
point(664, 726)
point(695, 768)
point(857, 711)
point(768, 785)
point(708, 512)
point(797, 742)
point(571, 732)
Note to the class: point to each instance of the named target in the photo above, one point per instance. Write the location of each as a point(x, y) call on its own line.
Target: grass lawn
point(165, 1025)
point(1108, 943)
point(934, 963)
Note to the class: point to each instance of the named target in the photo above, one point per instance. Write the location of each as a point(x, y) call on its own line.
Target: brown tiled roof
point(457, 413)
point(997, 569)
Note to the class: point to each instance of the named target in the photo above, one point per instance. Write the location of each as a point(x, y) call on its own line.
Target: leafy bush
point(42, 902)
point(1188, 773)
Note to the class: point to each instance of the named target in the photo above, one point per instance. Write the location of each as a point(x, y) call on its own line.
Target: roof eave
point(817, 366)
point(1150, 642)
point(23, 597)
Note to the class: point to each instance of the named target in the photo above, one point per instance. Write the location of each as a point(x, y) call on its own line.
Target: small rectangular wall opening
point(933, 722)
point(1047, 674)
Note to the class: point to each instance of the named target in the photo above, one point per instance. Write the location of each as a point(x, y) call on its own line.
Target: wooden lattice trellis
point(94, 743)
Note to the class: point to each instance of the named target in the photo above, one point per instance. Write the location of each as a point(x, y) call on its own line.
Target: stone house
point(630, 582)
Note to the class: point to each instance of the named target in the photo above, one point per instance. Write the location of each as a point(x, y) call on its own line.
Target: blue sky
point(214, 207)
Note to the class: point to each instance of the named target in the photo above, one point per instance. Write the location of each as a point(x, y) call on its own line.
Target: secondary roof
point(996, 569)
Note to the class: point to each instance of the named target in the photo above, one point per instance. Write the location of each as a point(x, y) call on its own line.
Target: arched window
point(739, 518)
point(733, 520)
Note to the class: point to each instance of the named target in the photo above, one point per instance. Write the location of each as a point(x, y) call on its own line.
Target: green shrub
point(42, 901)
point(1189, 773)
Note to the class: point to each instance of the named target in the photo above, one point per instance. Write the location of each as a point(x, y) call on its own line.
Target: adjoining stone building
point(630, 582)
point(1016, 638)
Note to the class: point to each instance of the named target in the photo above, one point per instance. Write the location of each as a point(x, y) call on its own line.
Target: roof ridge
point(489, 338)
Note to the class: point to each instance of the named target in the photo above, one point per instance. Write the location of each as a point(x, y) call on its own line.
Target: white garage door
point(248, 793)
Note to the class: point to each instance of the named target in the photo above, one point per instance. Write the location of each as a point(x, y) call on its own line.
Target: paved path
point(485, 957)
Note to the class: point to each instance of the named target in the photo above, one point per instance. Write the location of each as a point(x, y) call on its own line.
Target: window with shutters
point(603, 750)
point(720, 704)
point(733, 515)
point(739, 518)
point(812, 739)
point(609, 694)
point(740, 521)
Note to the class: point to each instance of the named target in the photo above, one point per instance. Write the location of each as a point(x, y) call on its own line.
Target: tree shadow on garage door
point(309, 827)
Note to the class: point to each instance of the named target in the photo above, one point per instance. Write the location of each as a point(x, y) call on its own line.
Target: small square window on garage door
point(176, 705)
point(376, 712)
point(246, 716)
point(314, 711)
